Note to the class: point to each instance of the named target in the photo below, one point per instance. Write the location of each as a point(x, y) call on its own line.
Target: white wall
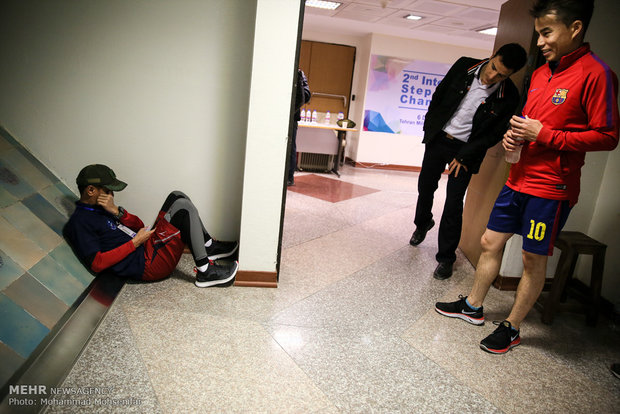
point(156, 89)
point(273, 69)
point(604, 207)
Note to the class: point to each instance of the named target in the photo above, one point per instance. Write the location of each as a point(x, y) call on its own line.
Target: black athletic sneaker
point(221, 249)
point(502, 339)
point(460, 309)
point(217, 275)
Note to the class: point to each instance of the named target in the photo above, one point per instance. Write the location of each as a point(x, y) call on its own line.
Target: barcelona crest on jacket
point(559, 96)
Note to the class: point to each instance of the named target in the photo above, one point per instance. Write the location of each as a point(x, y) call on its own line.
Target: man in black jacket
point(469, 113)
point(302, 97)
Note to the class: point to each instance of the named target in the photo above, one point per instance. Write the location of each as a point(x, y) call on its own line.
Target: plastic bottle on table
point(302, 115)
point(314, 116)
point(328, 117)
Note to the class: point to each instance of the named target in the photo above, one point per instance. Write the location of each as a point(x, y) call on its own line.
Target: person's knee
point(490, 242)
point(533, 263)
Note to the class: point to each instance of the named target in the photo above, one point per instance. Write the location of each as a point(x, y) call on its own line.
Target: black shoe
point(420, 233)
point(443, 271)
point(502, 339)
point(460, 309)
point(290, 182)
point(217, 275)
point(615, 369)
point(221, 249)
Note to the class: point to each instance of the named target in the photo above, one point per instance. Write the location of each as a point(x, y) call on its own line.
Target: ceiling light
point(490, 31)
point(413, 17)
point(320, 4)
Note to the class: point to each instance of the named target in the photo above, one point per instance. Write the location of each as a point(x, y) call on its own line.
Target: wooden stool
point(572, 244)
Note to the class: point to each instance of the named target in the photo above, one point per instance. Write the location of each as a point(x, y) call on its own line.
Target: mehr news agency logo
point(31, 395)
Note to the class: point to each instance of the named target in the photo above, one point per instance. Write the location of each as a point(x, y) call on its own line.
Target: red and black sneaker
point(460, 309)
point(502, 339)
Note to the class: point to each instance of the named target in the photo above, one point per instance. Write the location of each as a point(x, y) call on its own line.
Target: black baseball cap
point(101, 176)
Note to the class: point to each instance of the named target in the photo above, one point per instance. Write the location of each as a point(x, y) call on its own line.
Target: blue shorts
point(538, 220)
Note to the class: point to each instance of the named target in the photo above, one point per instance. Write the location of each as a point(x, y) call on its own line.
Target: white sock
point(209, 243)
point(202, 268)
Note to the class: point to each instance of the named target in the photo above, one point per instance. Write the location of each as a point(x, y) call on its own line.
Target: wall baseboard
point(380, 166)
point(249, 278)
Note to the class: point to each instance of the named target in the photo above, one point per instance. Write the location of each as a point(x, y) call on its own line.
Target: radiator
point(315, 162)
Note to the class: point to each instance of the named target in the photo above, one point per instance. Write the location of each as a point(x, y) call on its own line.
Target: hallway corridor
point(350, 328)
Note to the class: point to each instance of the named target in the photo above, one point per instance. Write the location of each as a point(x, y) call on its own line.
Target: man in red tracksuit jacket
point(571, 108)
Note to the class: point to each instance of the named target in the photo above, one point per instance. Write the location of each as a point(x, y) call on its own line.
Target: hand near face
point(107, 202)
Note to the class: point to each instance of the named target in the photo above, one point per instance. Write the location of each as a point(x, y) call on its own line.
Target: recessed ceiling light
point(413, 17)
point(320, 4)
point(492, 31)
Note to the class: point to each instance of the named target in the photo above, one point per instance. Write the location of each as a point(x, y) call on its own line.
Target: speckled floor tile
point(301, 226)
point(178, 292)
point(228, 365)
point(387, 296)
point(551, 384)
point(327, 188)
point(112, 363)
point(369, 372)
point(382, 179)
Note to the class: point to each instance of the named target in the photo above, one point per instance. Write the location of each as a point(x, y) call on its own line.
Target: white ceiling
point(450, 21)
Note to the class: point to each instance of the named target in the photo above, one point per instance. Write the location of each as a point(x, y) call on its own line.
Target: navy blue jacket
point(91, 229)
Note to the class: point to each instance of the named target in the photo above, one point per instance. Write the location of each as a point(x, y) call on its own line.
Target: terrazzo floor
point(350, 328)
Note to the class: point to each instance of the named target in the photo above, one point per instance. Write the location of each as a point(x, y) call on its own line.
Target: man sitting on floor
point(106, 236)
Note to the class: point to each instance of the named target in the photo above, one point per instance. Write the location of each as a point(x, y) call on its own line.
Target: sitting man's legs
point(179, 218)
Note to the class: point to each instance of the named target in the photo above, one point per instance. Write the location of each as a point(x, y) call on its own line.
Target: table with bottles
point(321, 138)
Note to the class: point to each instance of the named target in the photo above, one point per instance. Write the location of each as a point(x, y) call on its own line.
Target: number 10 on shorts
point(537, 230)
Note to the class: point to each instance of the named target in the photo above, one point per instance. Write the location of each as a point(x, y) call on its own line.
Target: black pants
point(437, 154)
point(293, 154)
point(182, 214)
